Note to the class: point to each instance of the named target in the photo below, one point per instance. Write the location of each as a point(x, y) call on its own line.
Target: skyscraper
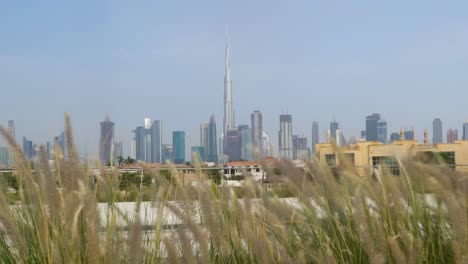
point(394, 137)
point(106, 141)
point(409, 134)
point(211, 150)
point(437, 131)
point(300, 150)
point(178, 144)
point(204, 130)
point(60, 143)
point(228, 110)
point(233, 145)
point(382, 131)
point(140, 144)
point(156, 141)
point(465, 131)
point(371, 127)
point(4, 157)
point(334, 126)
point(148, 145)
point(199, 153)
point(256, 123)
point(315, 135)
point(285, 137)
point(452, 135)
point(245, 136)
point(28, 148)
point(118, 150)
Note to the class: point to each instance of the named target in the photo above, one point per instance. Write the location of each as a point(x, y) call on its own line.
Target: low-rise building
point(366, 156)
point(241, 169)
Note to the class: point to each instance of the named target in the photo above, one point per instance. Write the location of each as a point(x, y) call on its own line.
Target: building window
point(387, 163)
point(331, 159)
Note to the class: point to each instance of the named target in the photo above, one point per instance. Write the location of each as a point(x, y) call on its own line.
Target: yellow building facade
point(366, 156)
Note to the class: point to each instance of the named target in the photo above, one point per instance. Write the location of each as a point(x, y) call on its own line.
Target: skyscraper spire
point(228, 112)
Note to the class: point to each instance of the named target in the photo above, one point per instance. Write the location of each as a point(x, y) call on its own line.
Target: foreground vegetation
point(337, 217)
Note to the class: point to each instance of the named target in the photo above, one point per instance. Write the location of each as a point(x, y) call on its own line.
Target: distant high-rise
point(178, 143)
point(437, 131)
point(233, 145)
point(199, 152)
point(300, 149)
point(363, 135)
point(204, 130)
point(452, 135)
point(267, 148)
point(4, 157)
point(409, 134)
point(465, 131)
point(245, 136)
point(334, 126)
point(140, 144)
point(167, 153)
point(118, 150)
point(371, 127)
point(394, 137)
point(106, 141)
point(382, 131)
point(229, 123)
point(28, 148)
point(156, 141)
point(256, 122)
point(60, 143)
point(315, 135)
point(285, 137)
point(211, 150)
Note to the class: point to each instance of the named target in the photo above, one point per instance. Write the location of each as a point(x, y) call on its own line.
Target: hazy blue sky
point(165, 59)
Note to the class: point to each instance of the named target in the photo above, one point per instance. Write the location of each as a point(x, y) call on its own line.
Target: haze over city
point(165, 61)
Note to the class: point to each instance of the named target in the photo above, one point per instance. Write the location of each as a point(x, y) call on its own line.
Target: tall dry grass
point(329, 217)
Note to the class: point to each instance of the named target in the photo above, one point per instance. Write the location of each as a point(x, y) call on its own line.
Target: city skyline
point(275, 68)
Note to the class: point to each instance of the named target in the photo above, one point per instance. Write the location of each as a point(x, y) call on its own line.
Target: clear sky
point(165, 59)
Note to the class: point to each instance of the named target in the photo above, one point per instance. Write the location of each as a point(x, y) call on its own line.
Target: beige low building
point(367, 156)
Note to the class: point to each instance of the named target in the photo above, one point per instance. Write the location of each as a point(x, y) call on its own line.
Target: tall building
point(465, 131)
point(315, 135)
point(4, 157)
point(211, 150)
point(256, 123)
point(382, 131)
point(178, 143)
point(60, 143)
point(371, 127)
point(394, 137)
point(437, 131)
point(233, 145)
point(267, 147)
point(285, 137)
point(229, 123)
point(28, 148)
point(363, 135)
point(452, 135)
point(204, 130)
point(409, 134)
point(244, 133)
point(334, 126)
point(167, 153)
point(118, 150)
point(199, 152)
point(140, 144)
point(106, 141)
point(147, 142)
point(156, 141)
point(300, 149)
